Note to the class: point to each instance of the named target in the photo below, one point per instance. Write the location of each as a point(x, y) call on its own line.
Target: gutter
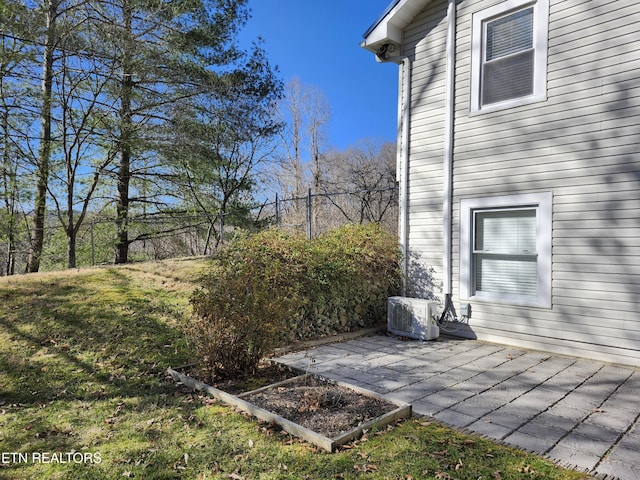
point(386, 12)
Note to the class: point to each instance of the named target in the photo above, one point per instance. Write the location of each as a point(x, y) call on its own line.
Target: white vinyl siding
point(582, 143)
point(426, 149)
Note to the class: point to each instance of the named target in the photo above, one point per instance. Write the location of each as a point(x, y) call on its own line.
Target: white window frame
point(542, 203)
point(540, 44)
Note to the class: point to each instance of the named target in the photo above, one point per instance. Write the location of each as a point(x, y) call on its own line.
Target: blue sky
point(318, 41)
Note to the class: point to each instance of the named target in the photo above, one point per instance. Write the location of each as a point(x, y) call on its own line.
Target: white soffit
point(388, 28)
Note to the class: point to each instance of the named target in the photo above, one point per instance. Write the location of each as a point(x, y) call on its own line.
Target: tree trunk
point(124, 165)
point(9, 193)
point(71, 247)
point(44, 151)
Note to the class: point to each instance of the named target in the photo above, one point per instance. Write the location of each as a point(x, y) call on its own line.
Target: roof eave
point(388, 28)
point(382, 34)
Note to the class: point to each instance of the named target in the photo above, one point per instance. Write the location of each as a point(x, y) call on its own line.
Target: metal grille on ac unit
point(413, 318)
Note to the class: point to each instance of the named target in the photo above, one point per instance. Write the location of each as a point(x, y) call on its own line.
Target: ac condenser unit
point(413, 318)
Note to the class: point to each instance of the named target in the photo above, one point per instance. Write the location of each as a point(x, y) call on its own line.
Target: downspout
point(404, 114)
point(447, 203)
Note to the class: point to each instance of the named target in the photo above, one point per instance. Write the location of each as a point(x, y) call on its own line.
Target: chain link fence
point(316, 213)
point(180, 235)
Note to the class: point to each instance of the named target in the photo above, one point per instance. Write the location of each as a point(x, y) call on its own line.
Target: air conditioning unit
point(413, 318)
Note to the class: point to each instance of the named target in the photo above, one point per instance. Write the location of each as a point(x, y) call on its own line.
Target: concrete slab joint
point(576, 412)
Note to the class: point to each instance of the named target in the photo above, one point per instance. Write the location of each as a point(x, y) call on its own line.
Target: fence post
point(309, 215)
point(93, 247)
point(221, 228)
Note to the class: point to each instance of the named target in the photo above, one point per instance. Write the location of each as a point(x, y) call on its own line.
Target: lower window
point(505, 249)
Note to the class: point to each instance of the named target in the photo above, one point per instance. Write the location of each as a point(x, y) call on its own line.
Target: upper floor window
point(509, 55)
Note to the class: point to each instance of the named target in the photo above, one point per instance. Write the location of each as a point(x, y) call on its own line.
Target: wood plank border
point(403, 410)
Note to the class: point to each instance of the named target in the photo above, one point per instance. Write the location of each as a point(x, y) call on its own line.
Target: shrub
point(352, 271)
point(267, 289)
point(242, 307)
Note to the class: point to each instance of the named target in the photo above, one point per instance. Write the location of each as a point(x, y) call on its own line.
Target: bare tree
point(318, 116)
point(368, 171)
point(305, 112)
point(291, 111)
point(81, 132)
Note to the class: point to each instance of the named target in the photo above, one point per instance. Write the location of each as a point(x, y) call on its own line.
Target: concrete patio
point(576, 412)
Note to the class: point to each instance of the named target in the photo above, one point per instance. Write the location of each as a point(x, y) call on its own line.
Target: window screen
point(508, 65)
point(505, 258)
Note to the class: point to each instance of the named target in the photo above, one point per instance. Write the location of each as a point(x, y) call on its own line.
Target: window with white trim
point(505, 249)
point(509, 55)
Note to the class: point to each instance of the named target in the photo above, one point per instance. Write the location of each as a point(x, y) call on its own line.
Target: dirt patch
point(267, 374)
point(321, 406)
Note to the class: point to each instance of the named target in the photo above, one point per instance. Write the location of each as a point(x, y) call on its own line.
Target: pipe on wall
point(447, 203)
point(403, 140)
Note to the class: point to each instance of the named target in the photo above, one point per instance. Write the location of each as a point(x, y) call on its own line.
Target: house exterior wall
point(426, 147)
point(582, 144)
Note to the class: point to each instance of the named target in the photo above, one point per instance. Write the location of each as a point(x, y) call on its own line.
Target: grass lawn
point(84, 395)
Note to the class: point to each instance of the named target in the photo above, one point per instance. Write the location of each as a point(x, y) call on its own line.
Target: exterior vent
point(413, 318)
